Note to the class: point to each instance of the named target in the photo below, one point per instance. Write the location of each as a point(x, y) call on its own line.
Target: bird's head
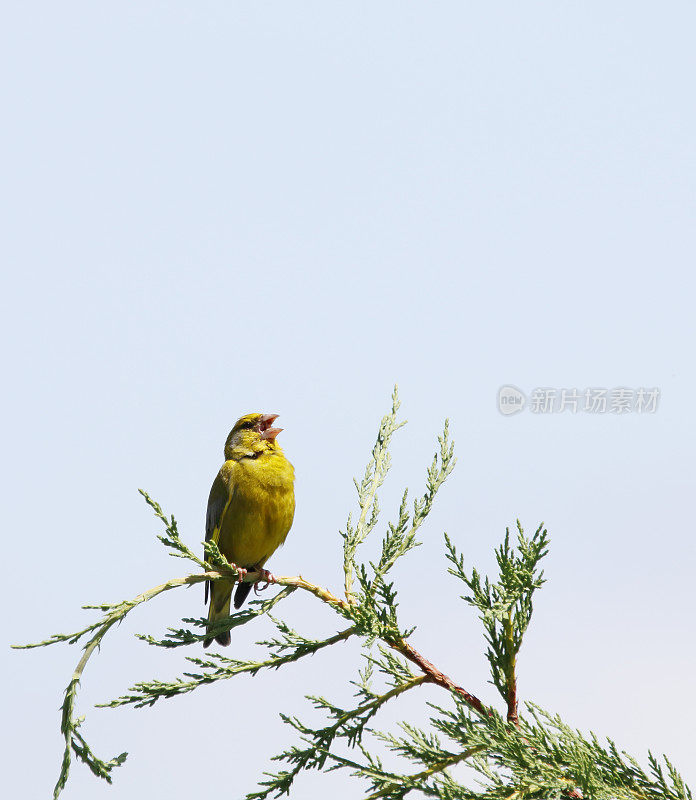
point(251, 436)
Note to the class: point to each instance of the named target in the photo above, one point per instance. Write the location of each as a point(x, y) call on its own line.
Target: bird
point(250, 510)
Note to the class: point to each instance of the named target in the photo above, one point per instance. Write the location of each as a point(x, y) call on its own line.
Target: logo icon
point(510, 400)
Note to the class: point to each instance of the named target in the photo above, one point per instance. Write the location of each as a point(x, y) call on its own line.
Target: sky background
point(218, 207)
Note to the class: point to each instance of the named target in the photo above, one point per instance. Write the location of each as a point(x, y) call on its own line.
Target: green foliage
point(515, 756)
point(505, 607)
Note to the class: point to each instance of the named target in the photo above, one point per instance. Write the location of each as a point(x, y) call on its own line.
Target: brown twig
point(436, 676)
point(230, 573)
point(317, 591)
point(510, 675)
point(512, 715)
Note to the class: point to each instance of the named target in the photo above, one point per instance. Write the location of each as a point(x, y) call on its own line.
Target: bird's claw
point(241, 574)
point(266, 578)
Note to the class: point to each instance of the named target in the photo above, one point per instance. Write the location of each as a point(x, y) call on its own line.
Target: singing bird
point(250, 508)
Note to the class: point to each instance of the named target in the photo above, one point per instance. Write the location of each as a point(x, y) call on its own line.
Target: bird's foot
point(241, 574)
point(266, 578)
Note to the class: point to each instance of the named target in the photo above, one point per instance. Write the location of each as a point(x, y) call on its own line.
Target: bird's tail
point(241, 593)
point(220, 597)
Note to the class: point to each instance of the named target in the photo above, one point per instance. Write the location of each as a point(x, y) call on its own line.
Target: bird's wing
point(218, 500)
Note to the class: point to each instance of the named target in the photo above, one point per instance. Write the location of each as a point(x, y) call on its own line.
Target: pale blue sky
point(220, 207)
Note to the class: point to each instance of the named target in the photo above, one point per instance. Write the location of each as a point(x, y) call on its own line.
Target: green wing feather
point(217, 503)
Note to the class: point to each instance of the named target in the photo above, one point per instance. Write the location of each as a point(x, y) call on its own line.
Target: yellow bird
point(250, 508)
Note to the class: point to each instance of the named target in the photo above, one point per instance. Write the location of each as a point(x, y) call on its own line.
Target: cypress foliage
point(515, 754)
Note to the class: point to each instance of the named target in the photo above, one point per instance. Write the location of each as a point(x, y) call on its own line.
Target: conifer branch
point(74, 741)
point(505, 605)
point(215, 668)
point(412, 781)
point(375, 474)
point(516, 756)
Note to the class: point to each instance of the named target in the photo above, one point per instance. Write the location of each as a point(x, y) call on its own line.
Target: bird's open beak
point(265, 429)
